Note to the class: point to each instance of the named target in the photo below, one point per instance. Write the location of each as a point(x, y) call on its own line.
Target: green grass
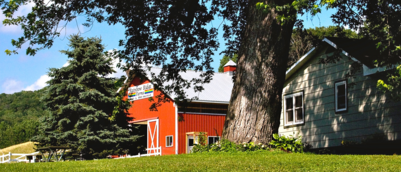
point(243, 161)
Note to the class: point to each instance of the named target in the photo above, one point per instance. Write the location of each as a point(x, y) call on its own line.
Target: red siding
point(212, 124)
point(230, 68)
point(165, 113)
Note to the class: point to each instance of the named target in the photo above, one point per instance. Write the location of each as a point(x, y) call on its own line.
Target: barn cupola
point(230, 67)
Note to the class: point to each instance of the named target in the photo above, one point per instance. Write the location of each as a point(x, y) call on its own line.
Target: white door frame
point(152, 134)
point(193, 142)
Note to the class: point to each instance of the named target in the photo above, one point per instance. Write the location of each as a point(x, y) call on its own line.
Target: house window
point(341, 96)
point(294, 109)
point(169, 141)
point(213, 139)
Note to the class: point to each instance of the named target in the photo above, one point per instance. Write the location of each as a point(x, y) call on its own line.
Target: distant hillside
point(19, 114)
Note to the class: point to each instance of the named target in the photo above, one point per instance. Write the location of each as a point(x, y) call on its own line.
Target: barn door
point(153, 135)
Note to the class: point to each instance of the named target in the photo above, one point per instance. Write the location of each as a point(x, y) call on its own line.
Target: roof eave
point(300, 63)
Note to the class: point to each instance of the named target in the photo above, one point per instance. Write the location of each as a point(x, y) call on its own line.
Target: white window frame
point(172, 140)
point(213, 139)
point(336, 96)
point(293, 109)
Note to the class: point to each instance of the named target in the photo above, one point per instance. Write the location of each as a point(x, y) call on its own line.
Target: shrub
point(287, 143)
point(228, 146)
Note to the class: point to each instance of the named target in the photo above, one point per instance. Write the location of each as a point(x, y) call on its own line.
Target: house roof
point(363, 50)
point(230, 63)
point(360, 50)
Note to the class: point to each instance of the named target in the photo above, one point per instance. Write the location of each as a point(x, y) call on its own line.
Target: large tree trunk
point(255, 105)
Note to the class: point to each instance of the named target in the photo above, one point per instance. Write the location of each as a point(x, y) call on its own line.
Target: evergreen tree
point(85, 112)
point(225, 60)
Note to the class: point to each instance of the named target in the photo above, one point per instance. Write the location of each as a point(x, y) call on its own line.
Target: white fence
point(23, 157)
point(151, 152)
point(20, 157)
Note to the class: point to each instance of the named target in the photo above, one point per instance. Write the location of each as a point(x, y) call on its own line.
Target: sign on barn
point(140, 92)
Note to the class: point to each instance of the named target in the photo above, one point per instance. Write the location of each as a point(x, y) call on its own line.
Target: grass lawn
point(255, 161)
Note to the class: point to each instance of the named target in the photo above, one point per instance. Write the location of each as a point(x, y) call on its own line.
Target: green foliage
point(228, 146)
point(287, 143)
point(225, 60)
point(285, 9)
point(19, 114)
point(82, 102)
point(393, 84)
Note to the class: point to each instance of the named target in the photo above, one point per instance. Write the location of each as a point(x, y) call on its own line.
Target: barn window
point(294, 109)
point(341, 96)
point(213, 139)
point(169, 141)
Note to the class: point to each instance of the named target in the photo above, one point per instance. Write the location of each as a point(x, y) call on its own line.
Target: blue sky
point(21, 72)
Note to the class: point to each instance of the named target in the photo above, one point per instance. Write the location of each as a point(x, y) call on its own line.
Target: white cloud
point(66, 64)
point(70, 28)
point(118, 72)
point(23, 10)
point(39, 84)
point(11, 86)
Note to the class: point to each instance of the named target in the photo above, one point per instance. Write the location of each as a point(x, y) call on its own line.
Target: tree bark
point(255, 104)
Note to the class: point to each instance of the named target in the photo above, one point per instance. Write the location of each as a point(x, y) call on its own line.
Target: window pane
point(216, 139)
point(169, 141)
point(298, 101)
point(341, 97)
point(298, 115)
point(190, 142)
point(290, 117)
point(210, 140)
point(341, 102)
point(341, 89)
point(288, 103)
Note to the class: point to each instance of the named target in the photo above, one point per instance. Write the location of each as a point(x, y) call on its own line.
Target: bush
point(228, 146)
point(287, 143)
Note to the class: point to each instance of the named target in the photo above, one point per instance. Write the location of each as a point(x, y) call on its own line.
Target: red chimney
point(230, 67)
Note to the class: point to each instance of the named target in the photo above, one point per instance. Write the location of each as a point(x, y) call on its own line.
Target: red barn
point(172, 129)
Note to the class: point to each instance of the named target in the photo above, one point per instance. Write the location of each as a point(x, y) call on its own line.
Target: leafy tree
point(19, 114)
point(260, 32)
point(225, 60)
point(377, 20)
point(392, 85)
point(82, 103)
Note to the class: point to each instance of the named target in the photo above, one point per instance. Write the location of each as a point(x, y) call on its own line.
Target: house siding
point(369, 111)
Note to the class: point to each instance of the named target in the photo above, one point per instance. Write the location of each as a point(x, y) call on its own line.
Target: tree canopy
point(85, 112)
point(19, 115)
point(174, 34)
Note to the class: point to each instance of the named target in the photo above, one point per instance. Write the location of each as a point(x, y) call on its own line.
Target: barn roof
point(218, 90)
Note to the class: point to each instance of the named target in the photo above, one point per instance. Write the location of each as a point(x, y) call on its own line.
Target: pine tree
point(85, 112)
